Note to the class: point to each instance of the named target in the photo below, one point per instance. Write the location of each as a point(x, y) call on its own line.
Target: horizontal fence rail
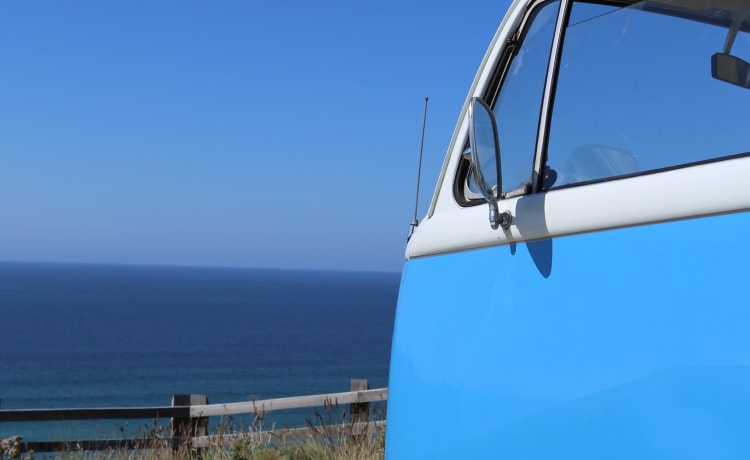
point(189, 419)
point(205, 410)
point(295, 402)
point(98, 413)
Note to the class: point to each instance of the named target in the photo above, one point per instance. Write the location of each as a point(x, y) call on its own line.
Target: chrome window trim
point(548, 98)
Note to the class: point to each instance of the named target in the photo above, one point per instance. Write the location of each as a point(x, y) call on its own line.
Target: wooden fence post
point(359, 412)
point(186, 427)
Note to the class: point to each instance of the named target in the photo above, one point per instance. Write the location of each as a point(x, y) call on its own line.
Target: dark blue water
point(106, 336)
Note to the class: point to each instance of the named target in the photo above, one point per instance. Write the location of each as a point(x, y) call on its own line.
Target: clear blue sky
point(259, 134)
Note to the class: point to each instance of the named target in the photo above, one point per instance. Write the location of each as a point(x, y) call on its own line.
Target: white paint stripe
point(709, 189)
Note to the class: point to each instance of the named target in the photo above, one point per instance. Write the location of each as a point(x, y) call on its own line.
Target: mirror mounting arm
point(494, 215)
point(733, 29)
point(499, 219)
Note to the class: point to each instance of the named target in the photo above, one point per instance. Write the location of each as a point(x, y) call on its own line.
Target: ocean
point(129, 336)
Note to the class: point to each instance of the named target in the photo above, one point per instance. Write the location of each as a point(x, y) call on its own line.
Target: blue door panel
point(630, 343)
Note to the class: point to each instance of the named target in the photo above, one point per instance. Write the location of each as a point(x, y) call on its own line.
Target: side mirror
point(730, 69)
point(485, 159)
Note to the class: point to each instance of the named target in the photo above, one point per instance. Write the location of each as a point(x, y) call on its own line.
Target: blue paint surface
point(630, 343)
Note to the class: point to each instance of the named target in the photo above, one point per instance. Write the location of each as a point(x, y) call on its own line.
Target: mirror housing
point(730, 69)
point(485, 159)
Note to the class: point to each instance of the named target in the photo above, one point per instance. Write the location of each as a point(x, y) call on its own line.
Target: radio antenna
point(414, 221)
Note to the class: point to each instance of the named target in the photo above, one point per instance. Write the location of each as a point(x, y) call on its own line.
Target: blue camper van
point(580, 286)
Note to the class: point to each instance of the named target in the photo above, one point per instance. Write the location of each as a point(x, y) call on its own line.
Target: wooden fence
point(189, 414)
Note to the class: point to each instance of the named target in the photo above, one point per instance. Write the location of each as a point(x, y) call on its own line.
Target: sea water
point(129, 336)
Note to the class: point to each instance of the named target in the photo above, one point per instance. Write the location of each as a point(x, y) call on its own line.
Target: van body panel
point(532, 351)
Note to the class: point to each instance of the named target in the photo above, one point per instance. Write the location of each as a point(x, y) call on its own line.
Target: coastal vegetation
point(330, 435)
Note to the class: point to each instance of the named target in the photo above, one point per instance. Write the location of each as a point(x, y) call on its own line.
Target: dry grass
point(11, 447)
